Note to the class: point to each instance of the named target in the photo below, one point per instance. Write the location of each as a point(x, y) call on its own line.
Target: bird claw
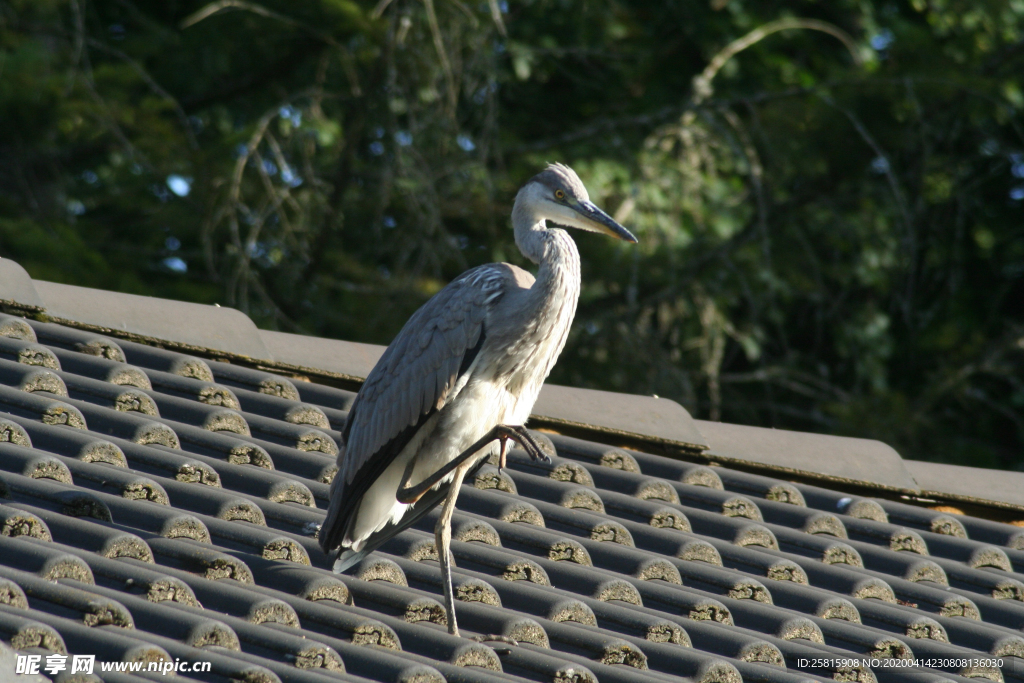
point(497, 639)
point(503, 455)
point(531, 446)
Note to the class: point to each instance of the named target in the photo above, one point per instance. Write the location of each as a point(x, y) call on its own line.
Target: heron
point(460, 380)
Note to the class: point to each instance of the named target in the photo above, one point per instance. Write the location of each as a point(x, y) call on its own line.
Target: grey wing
point(417, 376)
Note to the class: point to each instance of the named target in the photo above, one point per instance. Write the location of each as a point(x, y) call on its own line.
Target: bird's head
point(556, 194)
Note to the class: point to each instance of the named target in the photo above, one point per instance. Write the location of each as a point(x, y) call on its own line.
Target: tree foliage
point(829, 196)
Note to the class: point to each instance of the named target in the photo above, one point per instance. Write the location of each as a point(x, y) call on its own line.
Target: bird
point(460, 381)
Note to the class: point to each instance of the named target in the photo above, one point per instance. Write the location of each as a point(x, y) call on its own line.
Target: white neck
point(559, 274)
point(551, 304)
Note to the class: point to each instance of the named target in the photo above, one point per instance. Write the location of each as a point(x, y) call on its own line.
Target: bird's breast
point(522, 365)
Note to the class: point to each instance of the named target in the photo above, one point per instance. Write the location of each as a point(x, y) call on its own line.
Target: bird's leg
point(503, 440)
point(443, 539)
point(518, 433)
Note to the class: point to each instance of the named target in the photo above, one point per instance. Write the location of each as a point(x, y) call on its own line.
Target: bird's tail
point(348, 558)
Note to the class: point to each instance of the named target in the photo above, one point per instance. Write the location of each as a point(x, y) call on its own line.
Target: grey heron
point(460, 380)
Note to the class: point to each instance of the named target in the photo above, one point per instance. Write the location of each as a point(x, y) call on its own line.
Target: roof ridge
point(631, 421)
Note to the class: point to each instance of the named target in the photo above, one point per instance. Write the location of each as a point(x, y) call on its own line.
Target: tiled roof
point(157, 505)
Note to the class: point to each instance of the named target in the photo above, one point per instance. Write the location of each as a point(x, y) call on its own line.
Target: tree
point(829, 196)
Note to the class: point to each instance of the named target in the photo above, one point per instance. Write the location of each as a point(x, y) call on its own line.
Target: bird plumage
point(421, 372)
point(473, 357)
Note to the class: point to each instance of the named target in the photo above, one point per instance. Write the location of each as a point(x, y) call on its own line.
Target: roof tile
point(19, 290)
point(607, 565)
point(191, 325)
point(833, 459)
point(969, 484)
point(661, 420)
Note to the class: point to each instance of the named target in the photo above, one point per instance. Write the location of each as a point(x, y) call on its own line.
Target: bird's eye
point(559, 194)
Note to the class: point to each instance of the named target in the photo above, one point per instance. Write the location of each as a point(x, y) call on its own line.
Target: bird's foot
point(523, 437)
point(491, 638)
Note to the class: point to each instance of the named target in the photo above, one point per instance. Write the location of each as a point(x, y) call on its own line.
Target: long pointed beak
point(602, 222)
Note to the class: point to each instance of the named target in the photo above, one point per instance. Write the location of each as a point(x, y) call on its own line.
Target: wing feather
point(417, 376)
point(440, 388)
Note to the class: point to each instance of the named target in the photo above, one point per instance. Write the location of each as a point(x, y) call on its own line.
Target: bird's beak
point(601, 222)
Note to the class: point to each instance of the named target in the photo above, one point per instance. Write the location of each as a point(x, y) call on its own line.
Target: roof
point(163, 503)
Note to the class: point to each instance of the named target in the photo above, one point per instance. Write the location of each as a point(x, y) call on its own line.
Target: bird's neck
point(558, 278)
point(551, 303)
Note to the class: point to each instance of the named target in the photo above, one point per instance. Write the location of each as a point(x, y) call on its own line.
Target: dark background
point(831, 227)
